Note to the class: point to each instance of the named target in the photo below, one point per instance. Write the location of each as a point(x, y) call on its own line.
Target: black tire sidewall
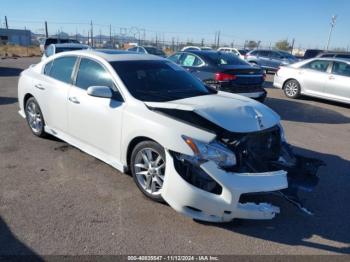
point(297, 94)
point(142, 145)
point(41, 133)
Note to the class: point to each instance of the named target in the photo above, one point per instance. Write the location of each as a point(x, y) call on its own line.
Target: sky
point(268, 21)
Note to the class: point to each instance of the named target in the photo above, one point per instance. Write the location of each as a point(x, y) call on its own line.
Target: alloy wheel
point(149, 170)
point(292, 89)
point(35, 120)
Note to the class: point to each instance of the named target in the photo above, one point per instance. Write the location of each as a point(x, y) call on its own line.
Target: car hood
point(232, 112)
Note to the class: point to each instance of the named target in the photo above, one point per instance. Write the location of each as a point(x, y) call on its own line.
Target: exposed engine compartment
point(256, 152)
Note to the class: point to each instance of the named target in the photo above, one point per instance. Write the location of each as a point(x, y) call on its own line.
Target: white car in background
point(199, 48)
point(198, 149)
point(327, 78)
point(58, 48)
point(238, 52)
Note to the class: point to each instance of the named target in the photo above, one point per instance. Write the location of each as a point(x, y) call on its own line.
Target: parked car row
point(197, 148)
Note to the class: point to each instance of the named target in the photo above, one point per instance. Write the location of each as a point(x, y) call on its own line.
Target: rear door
point(314, 76)
point(338, 82)
point(264, 59)
point(55, 88)
point(275, 60)
point(195, 65)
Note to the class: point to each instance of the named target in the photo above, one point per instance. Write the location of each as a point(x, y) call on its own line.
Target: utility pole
point(100, 37)
point(215, 39)
point(202, 42)
point(291, 51)
point(333, 23)
point(6, 24)
point(46, 30)
point(173, 44)
point(92, 34)
point(110, 34)
point(218, 45)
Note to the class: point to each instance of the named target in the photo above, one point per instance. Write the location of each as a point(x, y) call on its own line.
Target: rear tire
point(292, 89)
point(35, 117)
point(147, 165)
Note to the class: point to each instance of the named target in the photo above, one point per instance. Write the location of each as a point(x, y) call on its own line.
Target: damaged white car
point(197, 149)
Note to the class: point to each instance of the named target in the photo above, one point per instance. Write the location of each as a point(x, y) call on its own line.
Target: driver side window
point(92, 73)
point(318, 65)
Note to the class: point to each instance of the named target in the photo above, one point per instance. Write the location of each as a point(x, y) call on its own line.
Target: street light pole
point(333, 23)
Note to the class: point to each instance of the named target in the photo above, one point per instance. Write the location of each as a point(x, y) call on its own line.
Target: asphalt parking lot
point(55, 199)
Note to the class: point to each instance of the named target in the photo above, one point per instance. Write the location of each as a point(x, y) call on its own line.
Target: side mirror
point(46, 53)
point(100, 91)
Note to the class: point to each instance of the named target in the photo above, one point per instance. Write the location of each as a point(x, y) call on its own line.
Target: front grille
point(255, 151)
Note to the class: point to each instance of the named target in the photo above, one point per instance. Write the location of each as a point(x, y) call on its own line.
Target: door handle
point(74, 100)
point(39, 86)
point(331, 77)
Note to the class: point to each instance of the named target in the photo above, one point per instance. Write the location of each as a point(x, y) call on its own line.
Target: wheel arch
point(25, 98)
point(132, 144)
point(289, 79)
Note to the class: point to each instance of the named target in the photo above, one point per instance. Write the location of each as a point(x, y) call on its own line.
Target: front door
point(338, 82)
point(314, 76)
point(95, 121)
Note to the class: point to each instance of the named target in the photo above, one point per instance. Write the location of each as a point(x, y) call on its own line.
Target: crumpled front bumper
point(199, 204)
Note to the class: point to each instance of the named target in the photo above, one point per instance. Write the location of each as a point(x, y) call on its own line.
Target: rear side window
point(175, 58)
point(62, 68)
point(92, 73)
point(264, 53)
point(47, 68)
point(191, 60)
point(341, 69)
point(318, 65)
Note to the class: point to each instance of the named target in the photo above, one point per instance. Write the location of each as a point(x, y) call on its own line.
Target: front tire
point(292, 89)
point(35, 117)
point(148, 168)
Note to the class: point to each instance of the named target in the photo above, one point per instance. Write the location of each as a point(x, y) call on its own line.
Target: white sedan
point(327, 78)
point(195, 148)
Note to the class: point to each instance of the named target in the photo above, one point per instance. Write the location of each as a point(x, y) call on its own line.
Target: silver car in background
point(270, 60)
point(318, 77)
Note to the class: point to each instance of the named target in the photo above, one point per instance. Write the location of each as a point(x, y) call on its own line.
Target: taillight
point(224, 77)
point(278, 69)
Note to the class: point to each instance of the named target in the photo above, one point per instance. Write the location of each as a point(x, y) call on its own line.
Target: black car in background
point(224, 72)
point(311, 53)
point(344, 55)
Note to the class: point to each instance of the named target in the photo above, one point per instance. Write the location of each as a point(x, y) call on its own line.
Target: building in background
point(15, 36)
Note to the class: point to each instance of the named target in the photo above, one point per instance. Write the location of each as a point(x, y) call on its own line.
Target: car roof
point(345, 60)
point(201, 52)
point(111, 55)
point(70, 45)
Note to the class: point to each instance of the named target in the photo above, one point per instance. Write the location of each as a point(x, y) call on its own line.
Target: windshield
point(223, 58)
point(154, 51)
point(159, 81)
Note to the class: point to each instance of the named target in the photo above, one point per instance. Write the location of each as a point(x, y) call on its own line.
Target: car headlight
point(213, 151)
